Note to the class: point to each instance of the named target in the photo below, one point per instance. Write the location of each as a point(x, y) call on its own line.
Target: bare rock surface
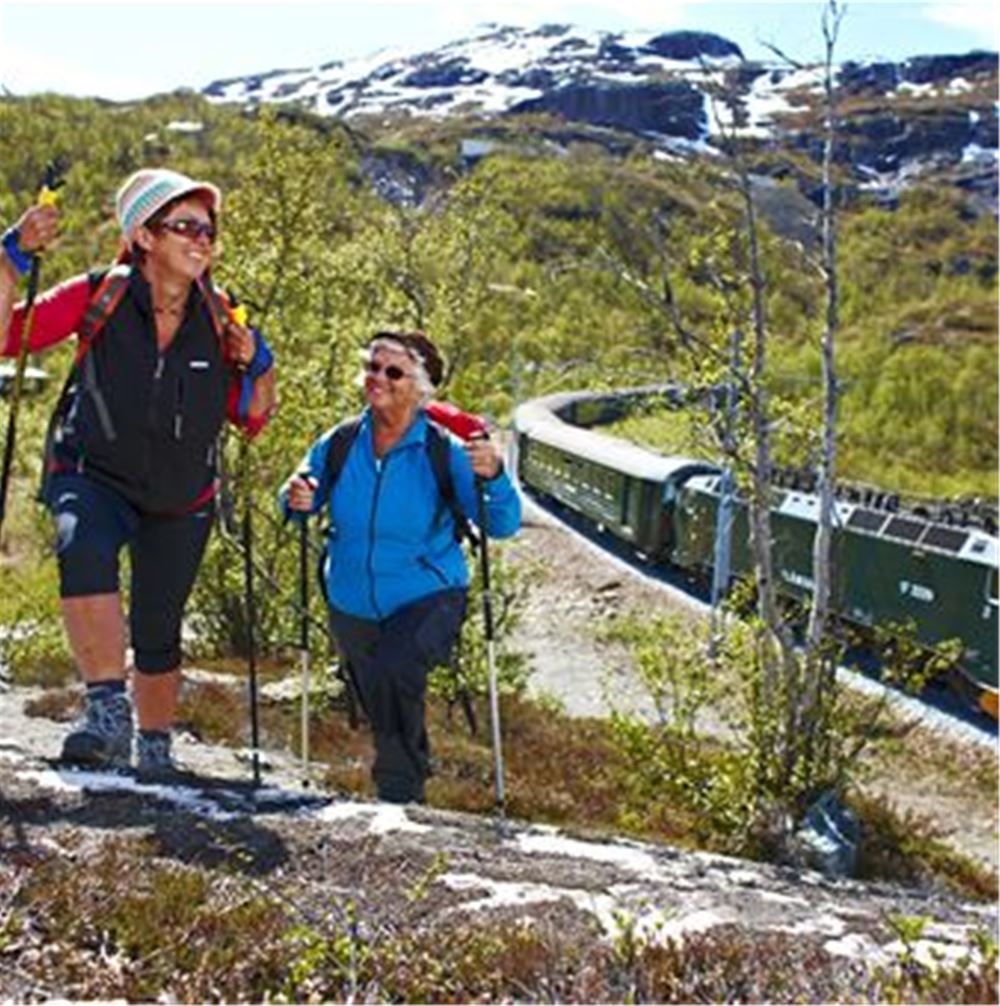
point(316, 846)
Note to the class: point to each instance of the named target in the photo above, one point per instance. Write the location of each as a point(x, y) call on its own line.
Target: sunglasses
point(188, 227)
point(392, 372)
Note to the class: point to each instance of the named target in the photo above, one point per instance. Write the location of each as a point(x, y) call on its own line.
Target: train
point(932, 571)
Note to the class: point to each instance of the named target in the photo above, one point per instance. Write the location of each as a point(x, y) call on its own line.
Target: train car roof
point(538, 419)
point(972, 544)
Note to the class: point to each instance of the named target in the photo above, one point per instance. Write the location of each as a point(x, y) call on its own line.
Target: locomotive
point(935, 573)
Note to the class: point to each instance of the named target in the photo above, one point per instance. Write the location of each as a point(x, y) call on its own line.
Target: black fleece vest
point(142, 422)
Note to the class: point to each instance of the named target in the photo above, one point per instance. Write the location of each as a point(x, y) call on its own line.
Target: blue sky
point(130, 49)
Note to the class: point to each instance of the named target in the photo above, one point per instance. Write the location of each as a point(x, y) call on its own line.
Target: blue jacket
point(392, 539)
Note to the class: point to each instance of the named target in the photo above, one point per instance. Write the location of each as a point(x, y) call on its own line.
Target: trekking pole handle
point(484, 555)
point(46, 197)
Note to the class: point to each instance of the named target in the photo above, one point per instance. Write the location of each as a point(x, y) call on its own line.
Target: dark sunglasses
point(392, 372)
point(188, 227)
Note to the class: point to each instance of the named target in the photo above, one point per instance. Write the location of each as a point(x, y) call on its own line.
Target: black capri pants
point(390, 660)
point(93, 522)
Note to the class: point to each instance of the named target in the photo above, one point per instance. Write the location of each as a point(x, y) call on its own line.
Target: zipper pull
point(179, 410)
point(158, 373)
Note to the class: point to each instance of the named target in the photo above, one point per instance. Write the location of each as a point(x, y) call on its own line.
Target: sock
point(153, 747)
point(105, 689)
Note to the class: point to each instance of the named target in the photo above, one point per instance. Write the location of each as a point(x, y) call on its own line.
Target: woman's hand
point(484, 457)
point(301, 493)
point(37, 228)
point(240, 345)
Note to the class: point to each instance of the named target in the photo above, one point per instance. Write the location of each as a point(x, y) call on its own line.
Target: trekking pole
point(484, 564)
point(46, 197)
point(239, 315)
point(251, 616)
point(304, 638)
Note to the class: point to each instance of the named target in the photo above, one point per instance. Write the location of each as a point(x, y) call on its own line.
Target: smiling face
point(178, 242)
point(390, 388)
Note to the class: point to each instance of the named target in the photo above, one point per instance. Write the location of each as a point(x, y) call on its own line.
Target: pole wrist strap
point(19, 259)
point(260, 363)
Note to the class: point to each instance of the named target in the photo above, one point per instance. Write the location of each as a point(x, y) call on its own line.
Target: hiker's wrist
point(262, 359)
point(19, 259)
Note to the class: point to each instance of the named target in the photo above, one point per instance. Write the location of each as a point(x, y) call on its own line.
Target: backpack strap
point(107, 291)
point(106, 294)
point(340, 443)
point(218, 304)
point(439, 454)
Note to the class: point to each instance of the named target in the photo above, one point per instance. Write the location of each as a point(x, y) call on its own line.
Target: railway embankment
point(576, 588)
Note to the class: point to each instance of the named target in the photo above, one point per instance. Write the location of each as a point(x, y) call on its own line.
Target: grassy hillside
point(535, 271)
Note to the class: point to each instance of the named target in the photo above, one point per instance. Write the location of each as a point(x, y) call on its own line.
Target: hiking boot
point(154, 762)
point(102, 738)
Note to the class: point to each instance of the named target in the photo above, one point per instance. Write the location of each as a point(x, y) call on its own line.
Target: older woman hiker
point(130, 459)
point(396, 578)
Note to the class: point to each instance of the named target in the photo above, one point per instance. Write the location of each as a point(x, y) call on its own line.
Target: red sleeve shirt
point(57, 315)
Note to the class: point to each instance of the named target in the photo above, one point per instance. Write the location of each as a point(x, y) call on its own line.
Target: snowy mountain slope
point(495, 71)
point(928, 113)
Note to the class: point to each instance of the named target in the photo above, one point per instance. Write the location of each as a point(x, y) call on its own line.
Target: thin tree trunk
point(823, 541)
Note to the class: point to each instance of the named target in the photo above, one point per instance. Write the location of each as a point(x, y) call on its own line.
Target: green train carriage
point(888, 567)
point(613, 484)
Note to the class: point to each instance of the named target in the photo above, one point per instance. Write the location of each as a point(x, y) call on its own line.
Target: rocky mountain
point(901, 121)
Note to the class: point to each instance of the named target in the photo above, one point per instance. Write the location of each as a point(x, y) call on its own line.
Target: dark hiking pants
point(390, 660)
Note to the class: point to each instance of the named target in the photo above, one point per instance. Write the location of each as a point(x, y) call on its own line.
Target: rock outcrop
point(474, 866)
point(671, 108)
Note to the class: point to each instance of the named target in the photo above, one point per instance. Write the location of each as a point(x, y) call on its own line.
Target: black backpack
point(438, 453)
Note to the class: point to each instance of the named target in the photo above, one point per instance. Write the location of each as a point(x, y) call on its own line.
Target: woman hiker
point(395, 575)
point(131, 458)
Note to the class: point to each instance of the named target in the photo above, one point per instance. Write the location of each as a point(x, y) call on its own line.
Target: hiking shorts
point(93, 523)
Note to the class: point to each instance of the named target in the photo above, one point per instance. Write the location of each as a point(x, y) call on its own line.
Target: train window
point(866, 520)
point(945, 537)
point(905, 528)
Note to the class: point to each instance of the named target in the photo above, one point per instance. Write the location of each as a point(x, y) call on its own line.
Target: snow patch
point(634, 859)
point(109, 782)
point(617, 912)
point(383, 817)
